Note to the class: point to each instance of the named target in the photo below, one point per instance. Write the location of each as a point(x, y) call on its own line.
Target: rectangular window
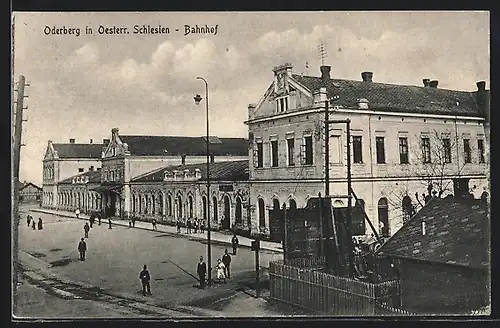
point(282, 104)
point(379, 142)
point(357, 150)
point(80, 169)
point(291, 151)
point(426, 150)
point(335, 150)
point(274, 153)
point(403, 150)
point(467, 152)
point(447, 150)
point(308, 150)
point(480, 148)
point(260, 155)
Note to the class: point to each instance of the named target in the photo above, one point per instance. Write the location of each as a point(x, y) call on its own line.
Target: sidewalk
point(217, 237)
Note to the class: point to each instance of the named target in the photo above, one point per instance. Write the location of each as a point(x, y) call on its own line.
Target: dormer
point(197, 173)
point(186, 174)
point(175, 174)
point(73, 180)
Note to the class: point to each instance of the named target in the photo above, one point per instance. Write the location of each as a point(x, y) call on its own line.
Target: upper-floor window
point(467, 151)
point(379, 143)
point(80, 169)
point(403, 150)
point(290, 144)
point(274, 153)
point(282, 104)
point(357, 149)
point(307, 151)
point(259, 154)
point(335, 149)
point(426, 150)
point(447, 150)
point(480, 149)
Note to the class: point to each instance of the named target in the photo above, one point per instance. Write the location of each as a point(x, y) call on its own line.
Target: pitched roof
point(456, 232)
point(94, 177)
point(396, 98)
point(226, 171)
point(71, 150)
point(172, 145)
point(24, 185)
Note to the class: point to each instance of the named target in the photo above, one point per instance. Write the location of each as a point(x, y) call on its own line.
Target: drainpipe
point(371, 158)
point(458, 145)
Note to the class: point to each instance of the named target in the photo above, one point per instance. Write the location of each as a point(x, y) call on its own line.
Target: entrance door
point(227, 212)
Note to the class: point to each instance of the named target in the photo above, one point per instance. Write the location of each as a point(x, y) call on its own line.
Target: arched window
point(153, 204)
point(215, 205)
point(383, 216)
point(238, 211)
point(204, 201)
point(190, 204)
point(179, 207)
point(169, 205)
point(262, 213)
point(292, 204)
point(160, 203)
point(276, 204)
point(407, 207)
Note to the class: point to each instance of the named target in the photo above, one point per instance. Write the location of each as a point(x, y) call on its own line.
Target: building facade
point(77, 193)
point(127, 157)
point(403, 139)
point(64, 160)
point(29, 192)
point(179, 192)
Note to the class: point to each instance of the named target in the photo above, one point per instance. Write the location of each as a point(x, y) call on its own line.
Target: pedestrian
point(226, 259)
point(195, 225)
point(235, 242)
point(86, 228)
point(28, 219)
point(82, 248)
point(33, 225)
point(202, 271)
point(145, 278)
point(133, 221)
point(189, 225)
point(220, 268)
point(92, 219)
point(178, 226)
point(154, 224)
point(130, 223)
point(109, 222)
point(77, 213)
point(202, 226)
point(40, 224)
point(99, 219)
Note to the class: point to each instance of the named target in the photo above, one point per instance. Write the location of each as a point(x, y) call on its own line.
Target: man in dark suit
point(202, 271)
point(145, 278)
point(82, 248)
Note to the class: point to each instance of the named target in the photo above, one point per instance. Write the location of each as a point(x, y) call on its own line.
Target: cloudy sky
point(83, 86)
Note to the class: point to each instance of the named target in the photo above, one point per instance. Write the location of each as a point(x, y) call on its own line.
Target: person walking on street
point(82, 248)
point(145, 278)
point(92, 219)
point(99, 219)
point(202, 226)
point(154, 224)
point(40, 224)
point(77, 213)
point(133, 221)
point(86, 228)
point(196, 224)
point(202, 271)
point(189, 225)
point(33, 225)
point(220, 269)
point(178, 226)
point(28, 220)
point(235, 242)
point(109, 222)
point(226, 259)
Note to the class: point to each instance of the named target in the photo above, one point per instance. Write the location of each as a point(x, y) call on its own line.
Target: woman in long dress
point(219, 271)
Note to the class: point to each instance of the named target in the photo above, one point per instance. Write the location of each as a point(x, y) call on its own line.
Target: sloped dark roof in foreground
point(94, 177)
point(222, 171)
point(396, 98)
point(456, 232)
point(174, 145)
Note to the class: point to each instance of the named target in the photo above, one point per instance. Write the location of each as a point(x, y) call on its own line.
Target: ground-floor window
point(262, 213)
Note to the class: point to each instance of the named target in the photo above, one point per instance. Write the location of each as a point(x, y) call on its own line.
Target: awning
point(104, 188)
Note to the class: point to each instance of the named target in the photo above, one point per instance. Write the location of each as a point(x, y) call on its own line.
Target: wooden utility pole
point(15, 181)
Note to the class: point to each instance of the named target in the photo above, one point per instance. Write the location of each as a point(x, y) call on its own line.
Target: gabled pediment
point(50, 152)
point(116, 148)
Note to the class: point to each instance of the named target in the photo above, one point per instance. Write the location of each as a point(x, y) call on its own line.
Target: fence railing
point(311, 263)
point(329, 294)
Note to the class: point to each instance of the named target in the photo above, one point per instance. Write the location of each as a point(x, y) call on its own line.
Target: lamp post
point(197, 100)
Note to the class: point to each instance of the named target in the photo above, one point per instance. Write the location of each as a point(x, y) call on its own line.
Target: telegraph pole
point(15, 182)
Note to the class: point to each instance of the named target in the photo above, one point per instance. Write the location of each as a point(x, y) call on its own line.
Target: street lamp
point(197, 100)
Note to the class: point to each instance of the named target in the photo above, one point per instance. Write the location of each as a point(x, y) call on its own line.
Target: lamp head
point(197, 99)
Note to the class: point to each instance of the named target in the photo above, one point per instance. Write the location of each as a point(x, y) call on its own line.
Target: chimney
point(426, 82)
point(251, 110)
point(114, 133)
point(367, 76)
point(433, 83)
point(325, 71)
point(71, 141)
point(481, 98)
point(91, 141)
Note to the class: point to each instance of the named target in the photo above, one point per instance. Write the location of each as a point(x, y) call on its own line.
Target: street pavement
point(116, 256)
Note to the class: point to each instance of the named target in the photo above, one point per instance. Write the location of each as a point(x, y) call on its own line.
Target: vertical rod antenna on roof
point(322, 52)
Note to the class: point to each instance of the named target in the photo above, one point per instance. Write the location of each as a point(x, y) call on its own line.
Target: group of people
point(195, 224)
point(31, 222)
